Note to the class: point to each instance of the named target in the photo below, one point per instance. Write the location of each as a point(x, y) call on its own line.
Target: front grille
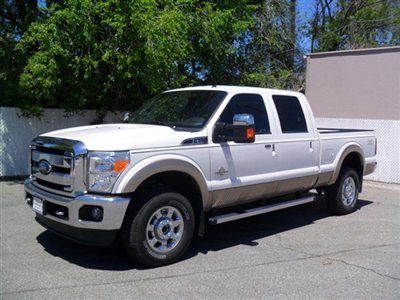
point(62, 170)
point(57, 165)
point(52, 150)
point(51, 185)
point(60, 177)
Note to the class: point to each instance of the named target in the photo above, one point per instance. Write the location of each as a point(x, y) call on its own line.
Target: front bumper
point(87, 232)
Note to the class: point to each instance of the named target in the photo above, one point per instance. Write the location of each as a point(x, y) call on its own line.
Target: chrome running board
point(259, 210)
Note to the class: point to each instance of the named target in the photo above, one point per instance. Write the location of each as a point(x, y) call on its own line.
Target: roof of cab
point(236, 89)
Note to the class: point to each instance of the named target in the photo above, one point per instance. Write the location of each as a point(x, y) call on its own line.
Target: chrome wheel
point(349, 191)
point(165, 229)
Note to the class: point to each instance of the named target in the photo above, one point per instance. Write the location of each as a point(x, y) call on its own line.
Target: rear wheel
point(343, 195)
point(160, 231)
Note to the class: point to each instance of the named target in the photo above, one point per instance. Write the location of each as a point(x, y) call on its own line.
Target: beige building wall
point(360, 89)
point(356, 84)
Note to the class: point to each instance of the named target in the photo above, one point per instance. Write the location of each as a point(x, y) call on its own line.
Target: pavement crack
point(327, 255)
point(363, 268)
point(155, 278)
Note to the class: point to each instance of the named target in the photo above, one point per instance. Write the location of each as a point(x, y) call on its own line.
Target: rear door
point(297, 146)
point(239, 171)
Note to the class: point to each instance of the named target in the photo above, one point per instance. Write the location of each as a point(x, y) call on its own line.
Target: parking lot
point(302, 252)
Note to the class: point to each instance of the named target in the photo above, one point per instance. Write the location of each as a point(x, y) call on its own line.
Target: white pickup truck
point(189, 157)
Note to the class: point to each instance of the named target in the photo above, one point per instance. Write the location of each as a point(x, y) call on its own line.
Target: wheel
point(343, 195)
point(160, 230)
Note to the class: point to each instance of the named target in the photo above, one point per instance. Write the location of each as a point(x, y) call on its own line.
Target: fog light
point(60, 213)
point(91, 213)
point(28, 200)
point(97, 213)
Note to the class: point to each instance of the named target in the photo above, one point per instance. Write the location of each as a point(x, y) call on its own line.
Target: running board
point(259, 210)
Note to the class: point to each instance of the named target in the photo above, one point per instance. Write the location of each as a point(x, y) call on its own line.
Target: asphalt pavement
point(297, 253)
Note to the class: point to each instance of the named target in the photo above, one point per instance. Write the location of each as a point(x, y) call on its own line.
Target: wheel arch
point(351, 156)
point(172, 171)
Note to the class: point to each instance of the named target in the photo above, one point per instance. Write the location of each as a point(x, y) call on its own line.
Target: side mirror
point(126, 115)
point(241, 131)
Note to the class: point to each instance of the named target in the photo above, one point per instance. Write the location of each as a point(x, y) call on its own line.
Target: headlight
point(104, 169)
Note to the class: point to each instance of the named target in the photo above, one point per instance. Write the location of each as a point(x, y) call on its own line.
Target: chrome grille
point(65, 161)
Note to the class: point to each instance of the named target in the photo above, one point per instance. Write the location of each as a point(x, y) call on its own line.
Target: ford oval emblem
point(44, 167)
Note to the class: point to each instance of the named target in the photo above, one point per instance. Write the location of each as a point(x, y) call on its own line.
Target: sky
point(304, 13)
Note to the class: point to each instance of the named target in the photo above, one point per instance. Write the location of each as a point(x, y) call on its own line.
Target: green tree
point(271, 47)
point(113, 54)
point(15, 18)
point(351, 24)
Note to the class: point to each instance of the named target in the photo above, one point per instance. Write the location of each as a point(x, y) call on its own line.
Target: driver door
point(239, 170)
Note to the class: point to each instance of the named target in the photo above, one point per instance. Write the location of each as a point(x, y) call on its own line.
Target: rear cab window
point(290, 113)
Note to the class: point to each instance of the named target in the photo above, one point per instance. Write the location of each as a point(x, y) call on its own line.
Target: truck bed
point(333, 141)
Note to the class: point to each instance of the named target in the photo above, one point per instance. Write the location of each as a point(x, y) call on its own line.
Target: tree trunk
point(292, 16)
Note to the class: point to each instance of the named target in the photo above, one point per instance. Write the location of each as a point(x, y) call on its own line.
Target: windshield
point(183, 109)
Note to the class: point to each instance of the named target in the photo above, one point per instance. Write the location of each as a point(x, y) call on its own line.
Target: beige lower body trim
point(370, 168)
point(248, 193)
point(324, 179)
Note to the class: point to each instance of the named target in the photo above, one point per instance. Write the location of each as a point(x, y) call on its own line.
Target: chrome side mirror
point(243, 119)
point(242, 130)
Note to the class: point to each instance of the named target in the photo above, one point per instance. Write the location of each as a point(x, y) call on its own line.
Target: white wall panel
point(17, 131)
point(388, 134)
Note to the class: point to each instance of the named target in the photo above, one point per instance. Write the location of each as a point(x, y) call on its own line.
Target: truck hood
point(115, 137)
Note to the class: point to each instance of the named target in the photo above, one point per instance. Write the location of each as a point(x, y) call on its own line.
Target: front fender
point(153, 165)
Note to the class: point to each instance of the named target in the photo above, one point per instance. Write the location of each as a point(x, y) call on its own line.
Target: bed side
point(351, 147)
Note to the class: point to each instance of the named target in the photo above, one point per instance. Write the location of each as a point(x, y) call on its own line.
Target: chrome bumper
point(114, 208)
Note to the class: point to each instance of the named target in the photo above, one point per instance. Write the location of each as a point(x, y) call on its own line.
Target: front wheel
point(343, 195)
point(161, 230)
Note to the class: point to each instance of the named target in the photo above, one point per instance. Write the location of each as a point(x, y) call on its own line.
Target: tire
point(343, 195)
point(159, 231)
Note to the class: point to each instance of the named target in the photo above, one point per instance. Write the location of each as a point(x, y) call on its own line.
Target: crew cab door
point(297, 147)
point(239, 170)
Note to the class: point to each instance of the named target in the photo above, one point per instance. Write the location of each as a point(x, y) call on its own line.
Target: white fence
point(388, 135)
point(16, 132)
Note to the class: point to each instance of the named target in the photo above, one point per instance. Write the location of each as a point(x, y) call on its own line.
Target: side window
point(290, 114)
point(247, 104)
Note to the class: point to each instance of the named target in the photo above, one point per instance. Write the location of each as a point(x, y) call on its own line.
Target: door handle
point(269, 146)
